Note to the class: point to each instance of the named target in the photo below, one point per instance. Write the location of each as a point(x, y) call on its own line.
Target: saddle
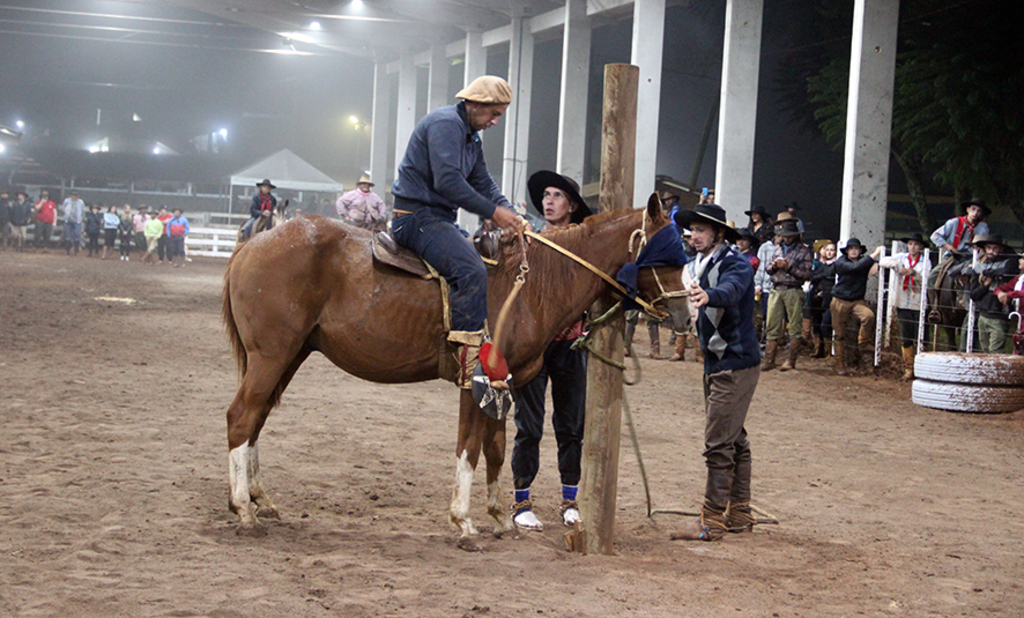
point(387, 251)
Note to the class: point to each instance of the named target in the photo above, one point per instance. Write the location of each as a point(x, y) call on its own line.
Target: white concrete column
point(475, 65)
point(572, 103)
point(517, 118)
point(406, 120)
point(648, 46)
point(437, 89)
point(737, 117)
point(476, 57)
point(869, 120)
point(380, 128)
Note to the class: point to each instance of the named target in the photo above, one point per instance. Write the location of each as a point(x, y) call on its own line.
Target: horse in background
point(312, 285)
point(276, 217)
point(946, 306)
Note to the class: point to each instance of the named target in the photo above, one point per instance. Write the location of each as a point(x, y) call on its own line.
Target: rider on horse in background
point(957, 234)
point(263, 205)
point(443, 170)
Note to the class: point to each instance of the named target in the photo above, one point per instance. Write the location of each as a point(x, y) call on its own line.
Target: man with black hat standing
point(852, 271)
point(263, 205)
point(911, 269)
point(789, 268)
point(558, 199)
point(997, 264)
point(443, 169)
point(724, 297)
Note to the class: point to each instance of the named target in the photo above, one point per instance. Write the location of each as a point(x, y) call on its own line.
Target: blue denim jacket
point(444, 166)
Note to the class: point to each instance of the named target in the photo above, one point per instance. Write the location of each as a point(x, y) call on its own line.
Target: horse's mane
point(550, 272)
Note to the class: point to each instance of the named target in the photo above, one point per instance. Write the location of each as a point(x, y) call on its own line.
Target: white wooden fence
point(211, 241)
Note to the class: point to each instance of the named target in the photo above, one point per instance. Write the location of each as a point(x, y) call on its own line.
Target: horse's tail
point(229, 320)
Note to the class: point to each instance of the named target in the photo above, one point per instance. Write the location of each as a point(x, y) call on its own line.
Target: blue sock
point(522, 494)
point(569, 492)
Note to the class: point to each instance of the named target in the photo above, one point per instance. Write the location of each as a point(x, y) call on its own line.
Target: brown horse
point(312, 285)
point(946, 306)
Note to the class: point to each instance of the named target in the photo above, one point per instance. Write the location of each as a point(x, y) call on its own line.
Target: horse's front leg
point(467, 454)
point(267, 508)
point(494, 455)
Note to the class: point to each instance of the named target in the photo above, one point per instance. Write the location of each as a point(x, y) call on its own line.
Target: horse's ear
point(654, 206)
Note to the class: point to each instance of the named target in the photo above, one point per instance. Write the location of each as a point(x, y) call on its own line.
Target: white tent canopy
point(286, 170)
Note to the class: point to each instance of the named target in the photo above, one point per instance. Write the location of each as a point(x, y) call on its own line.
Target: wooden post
point(600, 465)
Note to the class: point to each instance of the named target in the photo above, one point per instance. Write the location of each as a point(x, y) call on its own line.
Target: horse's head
point(661, 286)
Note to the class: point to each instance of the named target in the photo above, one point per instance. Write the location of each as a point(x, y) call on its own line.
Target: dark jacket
point(257, 203)
point(126, 227)
point(732, 345)
point(5, 212)
point(852, 277)
point(764, 234)
point(800, 259)
point(822, 282)
point(93, 222)
point(1002, 269)
point(21, 213)
point(444, 167)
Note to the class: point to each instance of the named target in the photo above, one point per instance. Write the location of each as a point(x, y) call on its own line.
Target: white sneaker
point(570, 512)
point(523, 517)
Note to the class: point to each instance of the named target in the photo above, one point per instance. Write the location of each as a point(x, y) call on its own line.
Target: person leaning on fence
point(724, 296)
point(1013, 289)
point(996, 266)
point(905, 293)
point(852, 271)
point(789, 268)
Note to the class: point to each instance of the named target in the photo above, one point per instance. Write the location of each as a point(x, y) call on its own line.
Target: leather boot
point(467, 354)
point(740, 518)
point(680, 354)
point(711, 525)
point(867, 357)
point(819, 347)
point(840, 359)
point(628, 337)
point(771, 347)
point(652, 330)
point(805, 329)
point(908, 363)
point(792, 353)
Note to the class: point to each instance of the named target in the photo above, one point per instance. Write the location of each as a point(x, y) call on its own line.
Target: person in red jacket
point(46, 216)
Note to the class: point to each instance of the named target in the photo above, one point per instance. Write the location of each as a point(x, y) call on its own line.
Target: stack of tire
point(985, 383)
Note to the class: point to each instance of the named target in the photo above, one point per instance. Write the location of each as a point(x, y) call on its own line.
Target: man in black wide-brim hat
point(724, 297)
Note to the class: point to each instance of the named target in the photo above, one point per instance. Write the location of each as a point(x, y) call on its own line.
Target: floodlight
point(156, 150)
point(19, 124)
point(314, 25)
point(223, 133)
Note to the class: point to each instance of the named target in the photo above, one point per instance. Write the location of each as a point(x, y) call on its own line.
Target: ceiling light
point(223, 133)
point(156, 150)
point(314, 25)
point(20, 124)
point(357, 4)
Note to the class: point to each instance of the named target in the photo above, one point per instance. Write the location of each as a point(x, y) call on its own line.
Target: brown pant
point(841, 310)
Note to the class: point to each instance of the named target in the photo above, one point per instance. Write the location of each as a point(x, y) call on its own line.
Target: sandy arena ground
point(113, 484)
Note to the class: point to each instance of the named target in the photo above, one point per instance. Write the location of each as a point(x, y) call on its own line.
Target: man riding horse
point(443, 170)
point(957, 234)
point(263, 205)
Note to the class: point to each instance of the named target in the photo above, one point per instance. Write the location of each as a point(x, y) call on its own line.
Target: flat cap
point(487, 89)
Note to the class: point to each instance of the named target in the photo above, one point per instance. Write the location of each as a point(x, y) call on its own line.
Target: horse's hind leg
point(494, 455)
point(261, 387)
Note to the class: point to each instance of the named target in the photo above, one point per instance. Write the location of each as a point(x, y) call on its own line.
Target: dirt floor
point(113, 484)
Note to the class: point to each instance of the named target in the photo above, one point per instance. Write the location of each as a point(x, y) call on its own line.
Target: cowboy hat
point(667, 195)
point(788, 227)
point(744, 233)
point(916, 236)
point(854, 242)
point(987, 239)
point(792, 205)
point(365, 179)
point(266, 181)
point(709, 213)
point(487, 89)
point(820, 244)
point(980, 203)
point(759, 209)
point(543, 179)
point(784, 216)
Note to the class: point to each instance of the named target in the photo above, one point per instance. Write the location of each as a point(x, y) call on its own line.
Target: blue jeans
point(433, 235)
point(73, 234)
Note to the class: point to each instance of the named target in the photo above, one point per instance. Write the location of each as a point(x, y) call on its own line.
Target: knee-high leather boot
point(740, 517)
point(711, 525)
